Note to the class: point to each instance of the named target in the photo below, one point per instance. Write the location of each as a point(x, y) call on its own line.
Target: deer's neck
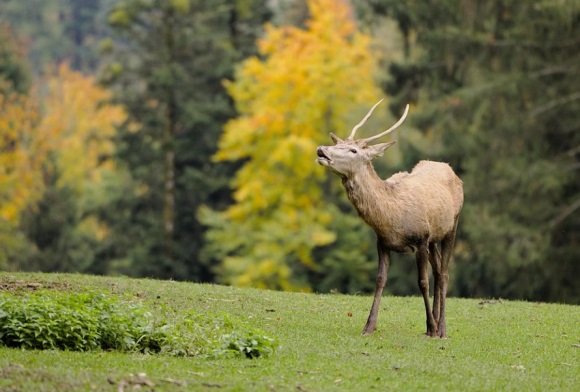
point(369, 194)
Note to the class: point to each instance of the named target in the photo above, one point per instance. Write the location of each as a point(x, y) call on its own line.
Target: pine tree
point(496, 88)
point(14, 73)
point(167, 63)
point(55, 31)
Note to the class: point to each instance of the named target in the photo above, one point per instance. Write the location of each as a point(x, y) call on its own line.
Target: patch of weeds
point(47, 320)
point(94, 321)
point(218, 336)
point(250, 345)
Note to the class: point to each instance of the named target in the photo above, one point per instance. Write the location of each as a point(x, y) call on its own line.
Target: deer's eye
point(354, 151)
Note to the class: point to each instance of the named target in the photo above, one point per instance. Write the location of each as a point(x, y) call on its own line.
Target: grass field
point(492, 345)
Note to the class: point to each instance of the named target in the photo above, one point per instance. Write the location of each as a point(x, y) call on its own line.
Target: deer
point(409, 212)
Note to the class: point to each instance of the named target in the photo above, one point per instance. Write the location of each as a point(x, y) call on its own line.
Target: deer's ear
point(377, 150)
point(335, 138)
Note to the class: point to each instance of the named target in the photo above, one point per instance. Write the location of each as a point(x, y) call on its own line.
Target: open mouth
point(322, 159)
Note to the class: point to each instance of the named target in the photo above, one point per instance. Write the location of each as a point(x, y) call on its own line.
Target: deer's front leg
point(380, 285)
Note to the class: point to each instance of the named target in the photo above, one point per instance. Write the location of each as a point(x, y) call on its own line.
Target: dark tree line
point(496, 85)
point(494, 88)
point(167, 64)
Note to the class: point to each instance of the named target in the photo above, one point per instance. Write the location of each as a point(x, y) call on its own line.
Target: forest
point(176, 139)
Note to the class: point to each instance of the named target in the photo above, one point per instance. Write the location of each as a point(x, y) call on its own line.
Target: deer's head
point(348, 156)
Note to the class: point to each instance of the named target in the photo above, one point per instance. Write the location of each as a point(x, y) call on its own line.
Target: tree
point(75, 132)
point(14, 77)
point(167, 61)
point(496, 85)
point(54, 31)
point(21, 151)
point(21, 156)
point(290, 97)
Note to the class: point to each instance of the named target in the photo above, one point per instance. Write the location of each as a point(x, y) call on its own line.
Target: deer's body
point(397, 209)
point(410, 212)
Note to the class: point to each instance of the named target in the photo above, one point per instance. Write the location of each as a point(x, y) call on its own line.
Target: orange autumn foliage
point(22, 152)
point(67, 130)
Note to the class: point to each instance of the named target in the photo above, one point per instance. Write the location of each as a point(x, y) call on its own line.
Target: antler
point(391, 129)
point(360, 124)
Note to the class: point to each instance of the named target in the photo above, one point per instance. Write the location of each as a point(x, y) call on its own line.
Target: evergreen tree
point(54, 31)
point(167, 63)
point(14, 74)
point(496, 91)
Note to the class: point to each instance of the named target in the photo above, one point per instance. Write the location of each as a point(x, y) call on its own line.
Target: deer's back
point(438, 180)
point(427, 202)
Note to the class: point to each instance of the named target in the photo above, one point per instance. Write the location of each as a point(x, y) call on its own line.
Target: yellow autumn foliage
point(78, 113)
point(67, 130)
point(22, 153)
point(299, 88)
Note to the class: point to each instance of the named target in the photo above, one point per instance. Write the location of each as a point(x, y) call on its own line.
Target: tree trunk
point(169, 150)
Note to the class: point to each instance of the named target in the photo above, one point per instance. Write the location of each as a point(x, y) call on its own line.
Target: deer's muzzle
point(322, 159)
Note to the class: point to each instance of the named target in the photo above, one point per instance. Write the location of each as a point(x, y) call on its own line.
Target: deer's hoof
point(369, 330)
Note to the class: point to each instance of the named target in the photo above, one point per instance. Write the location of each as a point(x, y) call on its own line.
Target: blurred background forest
point(176, 139)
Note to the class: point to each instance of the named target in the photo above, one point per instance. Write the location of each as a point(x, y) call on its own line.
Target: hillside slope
point(492, 345)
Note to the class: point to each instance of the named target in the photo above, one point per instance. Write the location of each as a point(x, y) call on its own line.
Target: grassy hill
point(492, 345)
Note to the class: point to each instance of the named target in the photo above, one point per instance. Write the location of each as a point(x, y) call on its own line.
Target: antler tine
point(360, 124)
point(391, 129)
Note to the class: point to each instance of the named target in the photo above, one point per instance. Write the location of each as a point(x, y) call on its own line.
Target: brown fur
point(410, 212)
point(398, 209)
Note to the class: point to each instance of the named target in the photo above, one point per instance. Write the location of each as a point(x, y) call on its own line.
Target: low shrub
point(251, 345)
point(224, 336)
point(77, 322)
point(91, 321)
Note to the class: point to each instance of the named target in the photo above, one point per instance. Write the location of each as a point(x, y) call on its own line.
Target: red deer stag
point(410, 212)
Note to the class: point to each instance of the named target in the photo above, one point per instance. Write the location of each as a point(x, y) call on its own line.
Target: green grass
point(503, 345)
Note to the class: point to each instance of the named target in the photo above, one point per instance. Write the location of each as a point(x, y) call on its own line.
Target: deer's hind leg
point(446, 249)
point(435, 260)
point(422, 255)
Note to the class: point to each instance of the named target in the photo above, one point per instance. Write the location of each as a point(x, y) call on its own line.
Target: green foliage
point(14, 74)
point(493, 344)
point(58, 31)
point(350, 263)
point(49, 320)
point(249, 345)
point(78, 322)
